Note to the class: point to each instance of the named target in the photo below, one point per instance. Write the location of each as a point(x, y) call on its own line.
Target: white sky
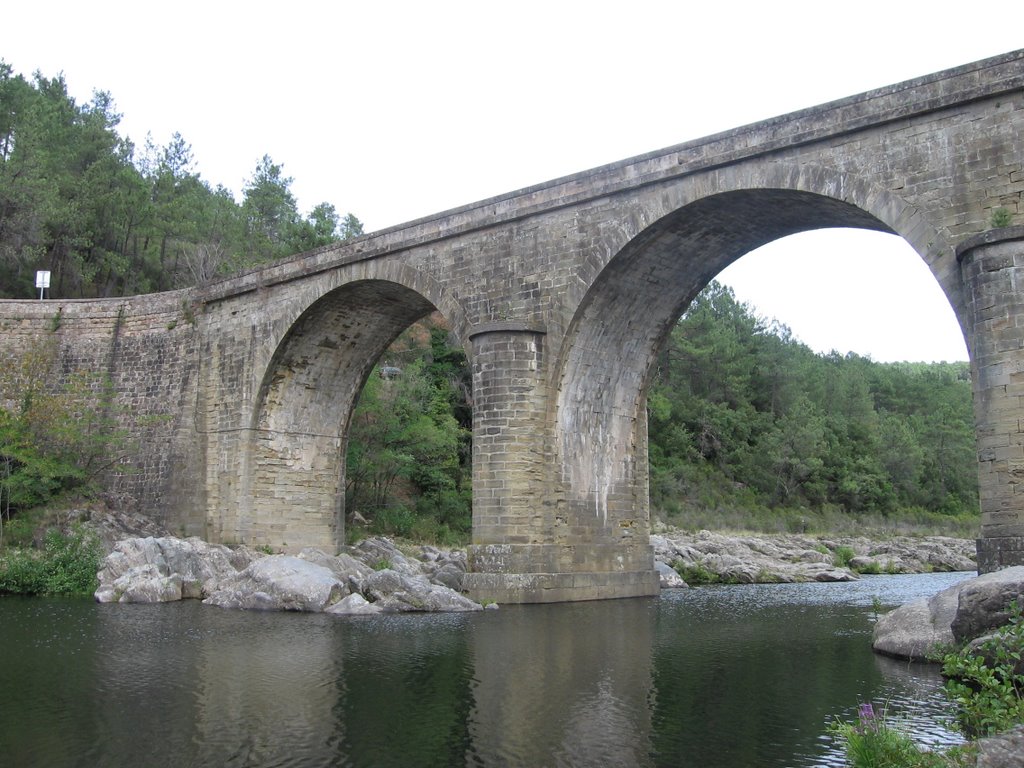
point(395, 110)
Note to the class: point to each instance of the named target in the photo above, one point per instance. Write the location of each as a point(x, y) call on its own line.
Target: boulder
point(161, 569)
point(199, 567)
point(280, 583)
point(396, 592)
point(913, 630)
point(798, 557)
point(448, 575)
point(954, 615)
point(1003, 751)
point(354, 605)
point(668, 577)
point(983, 602)
point(344, 566)
point(141, 584)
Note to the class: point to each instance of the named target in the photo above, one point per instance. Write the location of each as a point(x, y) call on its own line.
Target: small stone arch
point(294, 460)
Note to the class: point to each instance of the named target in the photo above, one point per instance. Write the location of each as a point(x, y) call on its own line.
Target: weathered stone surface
point(199, 567)
point(918, 555)
point(913, 630)
point(355, 605)
point(1003, 751)
point(165, 569)
point(380, 553)
point(983, 603)
point(668, 578)
point(955, 614)
point(343, 565)
point(394, 591)
point(748, 559)
point(112, 526)
point(142, 584)
point(280, 583)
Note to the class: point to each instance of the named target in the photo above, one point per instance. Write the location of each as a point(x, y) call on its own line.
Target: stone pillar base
point(559, 587)
point(546, 573)
point(1000, 552)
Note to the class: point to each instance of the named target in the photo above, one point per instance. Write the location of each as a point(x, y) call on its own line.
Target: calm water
point(720, 676)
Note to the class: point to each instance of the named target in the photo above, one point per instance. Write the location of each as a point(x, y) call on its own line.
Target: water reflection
point(564, 684)
point(711, 677)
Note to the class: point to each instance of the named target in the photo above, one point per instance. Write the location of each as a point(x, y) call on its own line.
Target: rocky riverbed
point(374, 576)
point(147, 564)
point(708, 556)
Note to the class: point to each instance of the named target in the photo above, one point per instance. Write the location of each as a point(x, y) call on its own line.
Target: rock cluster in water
point(754, 558)
point(964, 612)
point(372, 577)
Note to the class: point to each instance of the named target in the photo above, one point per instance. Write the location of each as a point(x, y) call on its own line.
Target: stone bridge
point(240, 392)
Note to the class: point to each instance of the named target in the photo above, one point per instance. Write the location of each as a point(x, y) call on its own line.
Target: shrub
point(393, 521)
point(1000, 217)
point(987, 683)
point(870, 568)
point(67, 565)
point(22, 572)
point(842, 556)
point(695, 574)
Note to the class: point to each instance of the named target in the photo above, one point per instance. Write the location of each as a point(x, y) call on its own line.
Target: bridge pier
point(520, 552)
point(992, 266)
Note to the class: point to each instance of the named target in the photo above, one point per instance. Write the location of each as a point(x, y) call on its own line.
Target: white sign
point(43, 279)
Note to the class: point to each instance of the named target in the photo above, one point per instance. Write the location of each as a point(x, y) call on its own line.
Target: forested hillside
point(742, 416)
point(109, 218)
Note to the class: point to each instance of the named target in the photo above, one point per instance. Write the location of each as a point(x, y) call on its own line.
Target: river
point(726, 676)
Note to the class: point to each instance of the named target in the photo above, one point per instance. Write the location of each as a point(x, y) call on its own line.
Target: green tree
point(407, 465)
point(57, 438)
point(741, 415)
point(322, 227)
point(270, 212)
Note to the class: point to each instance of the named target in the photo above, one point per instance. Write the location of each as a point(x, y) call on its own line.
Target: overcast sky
point(397, 110)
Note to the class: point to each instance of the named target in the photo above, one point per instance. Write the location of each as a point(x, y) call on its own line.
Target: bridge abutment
point(992, 266)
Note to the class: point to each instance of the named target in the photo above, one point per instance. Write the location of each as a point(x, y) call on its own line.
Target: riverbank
point(682, 558)
point(740, 558)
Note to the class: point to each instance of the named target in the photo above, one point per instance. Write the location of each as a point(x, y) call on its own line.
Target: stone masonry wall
point(146, 347)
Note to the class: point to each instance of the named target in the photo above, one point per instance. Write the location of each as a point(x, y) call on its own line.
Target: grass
point(829, 521)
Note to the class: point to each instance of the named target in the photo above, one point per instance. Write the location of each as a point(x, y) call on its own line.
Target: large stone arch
point(604, 366)
point(294, 459)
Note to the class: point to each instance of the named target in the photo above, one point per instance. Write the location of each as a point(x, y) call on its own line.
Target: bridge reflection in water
point(714, 677)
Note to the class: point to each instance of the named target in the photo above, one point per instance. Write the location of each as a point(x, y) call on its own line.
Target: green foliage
point(392, 521)
point(66, 566)
point(873, 743)
point(56, 439)
point(743, 417)
point(695, 574)
point(1000, 218)
point(842, 556)
point(987, 683)
point(109, 218)
point(871, 568)
point(407, 467)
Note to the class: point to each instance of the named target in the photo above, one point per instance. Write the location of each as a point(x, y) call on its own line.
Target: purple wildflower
point(868, 719)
